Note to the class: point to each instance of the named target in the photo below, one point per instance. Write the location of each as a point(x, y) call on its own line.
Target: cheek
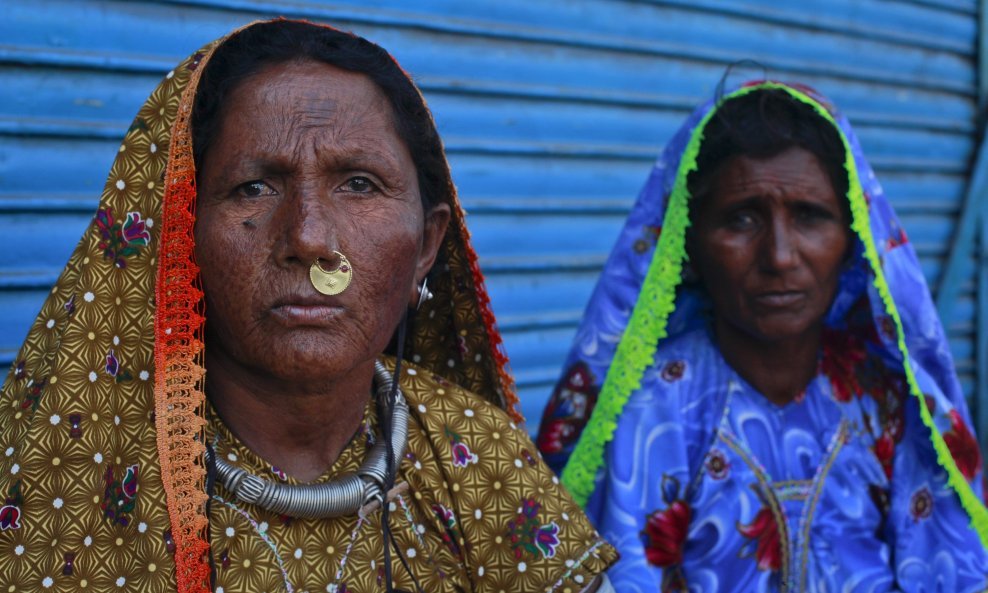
point(227, 266)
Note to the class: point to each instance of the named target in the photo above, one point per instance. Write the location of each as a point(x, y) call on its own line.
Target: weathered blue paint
point(552, 113)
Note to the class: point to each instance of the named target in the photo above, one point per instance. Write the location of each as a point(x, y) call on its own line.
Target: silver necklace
point(345, 495)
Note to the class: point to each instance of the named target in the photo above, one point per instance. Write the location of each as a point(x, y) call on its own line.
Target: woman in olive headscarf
point(219, 393)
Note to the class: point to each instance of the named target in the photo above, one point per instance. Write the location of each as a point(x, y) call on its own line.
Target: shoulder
point(516, 518)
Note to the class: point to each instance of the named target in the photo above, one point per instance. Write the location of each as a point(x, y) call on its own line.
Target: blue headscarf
point(639, 302)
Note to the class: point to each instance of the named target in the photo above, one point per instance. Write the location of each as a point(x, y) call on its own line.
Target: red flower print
point(885, 452)
point(674, 371)
point(921, 504)
point(842, 353)
point(717, 465)
point(665, 534)
point(963, 447)
point(134, 230)
point(765, 530)
point(568, 411)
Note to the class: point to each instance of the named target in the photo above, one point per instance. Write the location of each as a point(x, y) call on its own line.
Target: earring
point(424, 294)
point(331, 282)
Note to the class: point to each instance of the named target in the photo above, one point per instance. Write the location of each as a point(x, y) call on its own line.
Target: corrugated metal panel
point(552, 113)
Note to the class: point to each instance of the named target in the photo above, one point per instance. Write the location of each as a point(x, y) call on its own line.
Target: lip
point(780, 298)
point(305, 311)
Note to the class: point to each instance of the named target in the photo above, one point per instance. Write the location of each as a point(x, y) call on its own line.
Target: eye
point(811, 213)
point(255, 189)
point(359, 185)
point(741, 220)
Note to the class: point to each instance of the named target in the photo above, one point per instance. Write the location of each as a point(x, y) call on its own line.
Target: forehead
point(299, 97)
point(793, 172)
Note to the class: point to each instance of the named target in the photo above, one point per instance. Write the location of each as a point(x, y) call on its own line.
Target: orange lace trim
point(511, 401)
point(178, 395)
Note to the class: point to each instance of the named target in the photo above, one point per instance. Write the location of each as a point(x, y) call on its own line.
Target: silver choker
point(345, 495)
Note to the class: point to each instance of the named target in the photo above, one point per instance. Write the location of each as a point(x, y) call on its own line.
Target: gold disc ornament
point(331, 282)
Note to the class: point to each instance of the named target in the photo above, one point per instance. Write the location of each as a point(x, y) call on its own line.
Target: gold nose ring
point(330, 282)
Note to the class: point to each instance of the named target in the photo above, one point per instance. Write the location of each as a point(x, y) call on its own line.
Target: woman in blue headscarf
point(761, 396)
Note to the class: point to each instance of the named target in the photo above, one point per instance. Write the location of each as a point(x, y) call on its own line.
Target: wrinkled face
point(768, 243)
point(307, 162)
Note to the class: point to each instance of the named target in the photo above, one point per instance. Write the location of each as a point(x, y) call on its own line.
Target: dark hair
point(273, 42)
point(761, 125)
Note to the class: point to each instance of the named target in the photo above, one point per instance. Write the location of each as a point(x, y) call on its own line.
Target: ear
point(433, 233)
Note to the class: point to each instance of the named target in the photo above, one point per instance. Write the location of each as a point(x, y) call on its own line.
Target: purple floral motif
point(10, 517)
point(119, 495)
point(112, 365)
point(114, 370)
point(129, 485)
point(19, 371)
point(462, 455)
point(529, 536)
point(10, 512)
point(135, 231)
point(547, 539)
point(70, 305)
point(121, 240)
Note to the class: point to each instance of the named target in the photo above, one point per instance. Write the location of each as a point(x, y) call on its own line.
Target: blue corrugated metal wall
point(552, 113)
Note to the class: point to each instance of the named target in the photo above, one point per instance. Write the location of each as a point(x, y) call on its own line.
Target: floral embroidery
point(194, 62)
point(765, 531)
point(885, 452)
point(10, 512)
point(33, 396)
point(449, 535)
point(75, 426)
point(121, 240)
point(665, 530)
point(528, 457)
point(70, 306)
point(963, 448)
point(530, 537)
point(569, 409)
point(650, 236)
point(674, 371)
point(119, 495)
point(19, 372)
point(717, 465)
point(921, 504)
point(113, 368)
point(462, 455)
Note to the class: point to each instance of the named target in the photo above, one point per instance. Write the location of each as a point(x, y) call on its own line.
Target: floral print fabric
point(729, 492)
point(499, 523)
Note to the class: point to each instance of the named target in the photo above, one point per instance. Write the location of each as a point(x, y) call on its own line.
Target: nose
point(308, 228)
point(780, 245)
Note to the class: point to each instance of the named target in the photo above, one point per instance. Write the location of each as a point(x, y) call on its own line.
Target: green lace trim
point(656, 301)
